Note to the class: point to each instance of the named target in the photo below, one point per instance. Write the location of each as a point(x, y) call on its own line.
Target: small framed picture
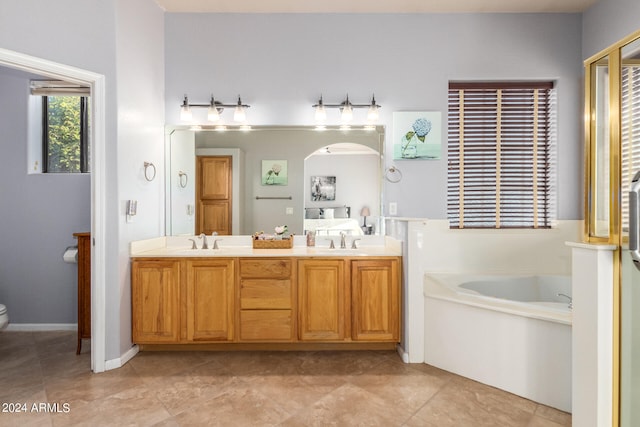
point(274, 172)
point(417, 135)
point(323, 188)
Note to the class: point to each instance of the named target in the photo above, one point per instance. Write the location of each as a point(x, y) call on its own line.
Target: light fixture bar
point(215, 108)
point(346, 109)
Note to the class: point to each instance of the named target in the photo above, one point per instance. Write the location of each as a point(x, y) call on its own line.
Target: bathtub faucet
point(567, 296)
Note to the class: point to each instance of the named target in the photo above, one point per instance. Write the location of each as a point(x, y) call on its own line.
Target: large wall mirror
point(240, 182)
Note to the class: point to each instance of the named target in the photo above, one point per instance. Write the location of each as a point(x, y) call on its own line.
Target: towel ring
point(146, 176)
point(393, 174)
point(183, 184)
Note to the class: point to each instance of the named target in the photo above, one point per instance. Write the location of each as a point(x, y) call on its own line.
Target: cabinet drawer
point(265, 293)
point(261, 325)
point(265, 268)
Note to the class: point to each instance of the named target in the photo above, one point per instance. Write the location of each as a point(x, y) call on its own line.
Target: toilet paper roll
point(71, 255)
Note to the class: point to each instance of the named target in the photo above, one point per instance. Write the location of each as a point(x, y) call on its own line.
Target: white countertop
point(240, 246)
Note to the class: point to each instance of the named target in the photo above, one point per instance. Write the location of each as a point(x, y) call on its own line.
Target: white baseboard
point(37, 327)
point(122, 360)
point(403, 354)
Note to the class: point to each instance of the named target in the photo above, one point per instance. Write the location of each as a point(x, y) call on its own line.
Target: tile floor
point(365, 388)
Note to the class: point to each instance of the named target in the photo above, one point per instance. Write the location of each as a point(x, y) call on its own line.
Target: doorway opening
point(96, 82)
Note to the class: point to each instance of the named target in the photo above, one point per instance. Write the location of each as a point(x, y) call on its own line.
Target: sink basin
point(203, 252)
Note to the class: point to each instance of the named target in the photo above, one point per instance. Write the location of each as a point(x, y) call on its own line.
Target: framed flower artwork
point(274, 172)
point(417, 135)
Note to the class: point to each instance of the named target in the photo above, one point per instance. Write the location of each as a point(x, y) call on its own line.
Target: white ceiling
point(375, 6)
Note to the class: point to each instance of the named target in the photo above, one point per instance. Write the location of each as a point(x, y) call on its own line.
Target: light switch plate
point(289, 211)
point(393, 208)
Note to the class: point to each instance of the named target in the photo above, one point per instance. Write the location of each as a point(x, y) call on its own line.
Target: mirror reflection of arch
point(349, 173)
point(258, 207)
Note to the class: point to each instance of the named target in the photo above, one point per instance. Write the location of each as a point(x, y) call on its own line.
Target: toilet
point(4, 317)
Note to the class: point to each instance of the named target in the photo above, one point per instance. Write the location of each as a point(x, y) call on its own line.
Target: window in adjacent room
point(65, 126)
point(501, 152)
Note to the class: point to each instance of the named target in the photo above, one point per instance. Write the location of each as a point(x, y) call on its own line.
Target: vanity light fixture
point(346, 109)
point(185, 110)
point(321, 113)
point(214, 109)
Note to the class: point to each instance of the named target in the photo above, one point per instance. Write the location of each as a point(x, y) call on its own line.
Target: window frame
point(84, 134)
point(488, 160)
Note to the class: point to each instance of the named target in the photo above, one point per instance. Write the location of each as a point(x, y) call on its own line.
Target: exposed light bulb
point(185, 111)
point(321, 113)
point(213, 115)
point(373, 115)
point(347, 113)
point(239, 114)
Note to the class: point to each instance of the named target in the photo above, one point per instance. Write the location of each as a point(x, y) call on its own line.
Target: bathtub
point(510, 332)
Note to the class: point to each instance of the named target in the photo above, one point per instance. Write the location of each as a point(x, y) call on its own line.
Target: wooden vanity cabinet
point(375, 300)
point(155, 295)
point(266, 299)
point(323, 305)
point(292, 300)
point(210, 300)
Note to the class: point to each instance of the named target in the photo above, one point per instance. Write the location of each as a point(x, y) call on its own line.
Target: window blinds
point(630, 132)
point(58, 88)
point(501, 155)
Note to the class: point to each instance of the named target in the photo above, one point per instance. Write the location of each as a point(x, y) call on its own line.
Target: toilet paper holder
point(70, 255)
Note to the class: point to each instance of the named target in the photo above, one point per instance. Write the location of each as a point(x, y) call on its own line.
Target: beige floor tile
point(237, 406)
point(349, 405)
point(29, 415)
point(87, 387)
point(134, 407)
point(554, 415)
point(400, 384)
point(543, 422)
point(463, 402)
point(169, 389)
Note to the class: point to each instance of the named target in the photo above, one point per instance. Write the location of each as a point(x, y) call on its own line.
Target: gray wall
point(25, 28)
point(607, 22)
point(282, 63)
point(38, 215)
point(122, 40)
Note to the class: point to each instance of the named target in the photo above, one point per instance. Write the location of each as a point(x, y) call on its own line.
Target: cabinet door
point(210, 300)
point(322, 300)
point(375, 297)
point(155, 289)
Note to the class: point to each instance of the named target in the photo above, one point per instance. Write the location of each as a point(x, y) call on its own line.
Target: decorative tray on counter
point(285, 243)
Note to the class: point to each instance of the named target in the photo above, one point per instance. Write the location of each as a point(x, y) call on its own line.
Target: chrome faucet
point(343, 242)
point(353, 244)
point(215, 243)
point(204, 240)
point(331, 245)
point(193, 244)
point(567, 296)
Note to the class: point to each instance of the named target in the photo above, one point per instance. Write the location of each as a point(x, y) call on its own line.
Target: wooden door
point(213, 194)
point(210, 300)
point(375, 299)
point(155, 288)
point(322, 300)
